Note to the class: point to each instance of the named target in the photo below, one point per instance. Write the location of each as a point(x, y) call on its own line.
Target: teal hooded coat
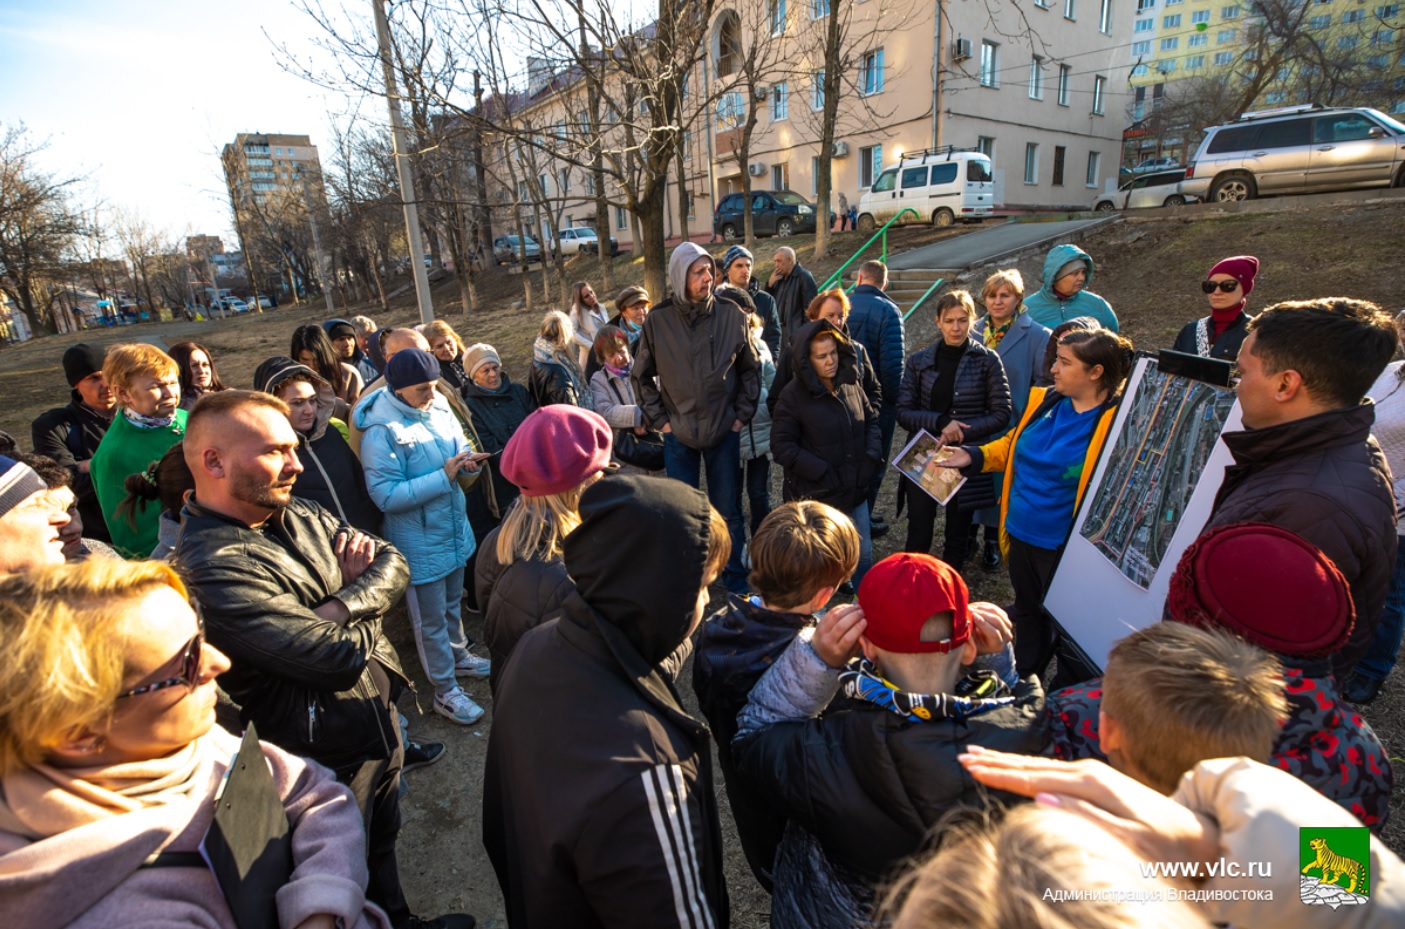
point(1049, 309)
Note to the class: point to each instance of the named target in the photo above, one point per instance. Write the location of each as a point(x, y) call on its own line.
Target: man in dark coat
point(698, 382)
point(331, 472)
point(71, 434)
point(737, 264)
point(1306, 460)
point(864, 785)
point(793, 288)
point(599, 807)
point(295, 597)
point(876, 323)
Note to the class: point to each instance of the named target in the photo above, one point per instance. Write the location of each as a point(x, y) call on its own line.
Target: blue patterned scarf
point(976, 693)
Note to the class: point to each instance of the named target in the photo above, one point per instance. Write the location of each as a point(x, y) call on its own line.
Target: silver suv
point(1298, 149)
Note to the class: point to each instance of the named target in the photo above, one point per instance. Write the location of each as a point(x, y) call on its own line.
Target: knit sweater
point(127, 450)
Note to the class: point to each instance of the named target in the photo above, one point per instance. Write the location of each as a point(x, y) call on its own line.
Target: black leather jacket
point(309, 684)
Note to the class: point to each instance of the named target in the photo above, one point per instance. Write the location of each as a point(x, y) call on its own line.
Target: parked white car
point(1148, 165)
point(576, 238)
point(1144, 191)
point(941, 186)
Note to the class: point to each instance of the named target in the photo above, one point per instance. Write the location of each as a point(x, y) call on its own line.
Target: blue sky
point(141, 96)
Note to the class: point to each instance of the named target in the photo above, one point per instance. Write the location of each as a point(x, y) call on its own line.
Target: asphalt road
point(963, 251)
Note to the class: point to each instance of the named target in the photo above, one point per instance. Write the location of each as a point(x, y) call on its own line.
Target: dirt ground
point(1148, 268)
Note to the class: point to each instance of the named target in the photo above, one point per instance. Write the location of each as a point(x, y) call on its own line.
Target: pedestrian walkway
point(964, 251)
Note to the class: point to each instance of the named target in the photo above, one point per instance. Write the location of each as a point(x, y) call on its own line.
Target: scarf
point(619, 372)
point(976, 693)
point(994, 335)
point(148, 422)
point(631, 331)
point(1225, 318)
point(41, 800)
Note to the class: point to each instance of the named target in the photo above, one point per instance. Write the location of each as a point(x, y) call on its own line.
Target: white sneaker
point(458, 707)
point(470, 665)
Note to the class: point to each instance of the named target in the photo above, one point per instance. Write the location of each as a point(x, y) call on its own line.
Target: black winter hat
point(82, 360)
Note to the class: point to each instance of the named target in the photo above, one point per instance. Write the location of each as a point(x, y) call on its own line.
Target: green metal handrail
point(923, 299)
point(838, 276)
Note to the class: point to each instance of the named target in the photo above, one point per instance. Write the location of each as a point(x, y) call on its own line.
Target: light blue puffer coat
point(403, 451)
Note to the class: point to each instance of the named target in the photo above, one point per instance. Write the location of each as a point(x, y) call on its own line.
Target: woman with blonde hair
point(555, 376)
point(448, 348)
point(111, 763)
point(553, 457)
point(587, 316)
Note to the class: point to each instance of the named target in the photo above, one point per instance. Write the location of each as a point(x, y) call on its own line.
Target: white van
point(941, 185)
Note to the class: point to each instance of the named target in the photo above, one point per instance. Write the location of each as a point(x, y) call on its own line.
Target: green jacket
point(127, 450)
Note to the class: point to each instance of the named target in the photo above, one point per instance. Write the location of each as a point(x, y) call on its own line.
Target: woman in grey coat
point(1009, 331)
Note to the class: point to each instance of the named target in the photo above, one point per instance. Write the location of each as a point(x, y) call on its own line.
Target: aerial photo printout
point(921, 461)
point(1171, 427)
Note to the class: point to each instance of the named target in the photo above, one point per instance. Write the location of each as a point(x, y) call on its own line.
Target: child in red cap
point(864, 785)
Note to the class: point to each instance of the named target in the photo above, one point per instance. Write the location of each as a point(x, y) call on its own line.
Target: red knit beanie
point(1267, 585)
point(1242, 268)
point(902, 592)
point(555, 449)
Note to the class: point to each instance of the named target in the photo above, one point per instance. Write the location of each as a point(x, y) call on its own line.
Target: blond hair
point(438, 329)
point(1005, 277)
point(954, 298)
point(64, 663)
point(719, 545)
point(536, 525)
point(1181, 695)
point(557, 330)
point(799, 548)
point(130, 360)
point(1006, 876)
point(364, 325)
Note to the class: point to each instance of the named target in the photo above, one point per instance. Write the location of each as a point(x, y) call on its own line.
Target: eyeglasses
point(1228, 287)
point(191, 662)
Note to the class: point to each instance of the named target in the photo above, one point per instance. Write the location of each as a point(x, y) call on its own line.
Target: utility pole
point(402, 168)
point(323, 265)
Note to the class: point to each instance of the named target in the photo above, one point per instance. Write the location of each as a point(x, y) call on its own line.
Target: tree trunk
point(832, 81)
point(684, 197)
point(649, 218)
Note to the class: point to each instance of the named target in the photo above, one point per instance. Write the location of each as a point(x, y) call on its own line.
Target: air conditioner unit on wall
point(961, 49)
point(760, 91)
point(839, 150)
point(756, 169)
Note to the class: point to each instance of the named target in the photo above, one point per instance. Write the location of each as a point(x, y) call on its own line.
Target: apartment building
point(201, 247)
point(1178, 40)
point(258, 166)
point(1038, 85)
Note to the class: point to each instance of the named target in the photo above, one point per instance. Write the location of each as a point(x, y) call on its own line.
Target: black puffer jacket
point(1325, 478)
point(496, 416)
point(557, 380)
point(599, 807)
point(515, 599)
point(70, 434)
point(981, 398)
point(1226, 347)
point(863, 788)
point(308, 683)
point(867, 376)
point(828, 443)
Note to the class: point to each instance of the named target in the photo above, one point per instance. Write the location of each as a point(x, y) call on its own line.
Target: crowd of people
point(182, 560)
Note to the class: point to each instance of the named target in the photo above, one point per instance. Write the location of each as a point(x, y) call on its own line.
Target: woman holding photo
point(1048, 460)
point(955, 389)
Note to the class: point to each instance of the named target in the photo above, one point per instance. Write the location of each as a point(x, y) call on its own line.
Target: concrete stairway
point(906, 287)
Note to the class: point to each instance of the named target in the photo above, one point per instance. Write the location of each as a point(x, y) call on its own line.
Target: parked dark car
point(773, 212)
point(505, 249)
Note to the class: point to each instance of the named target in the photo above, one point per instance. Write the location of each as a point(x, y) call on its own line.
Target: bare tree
point(37, 226)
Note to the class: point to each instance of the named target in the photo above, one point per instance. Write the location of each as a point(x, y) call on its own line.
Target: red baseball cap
point(900, 593)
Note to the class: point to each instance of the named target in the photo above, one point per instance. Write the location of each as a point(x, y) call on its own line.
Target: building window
point(1224, 58)
point(1031, 163)
point(1225, 36)
point(819, 9)
point(1195, 62)
point(1139, 71)
point(817, 90)
point(1069, 9)
point(1036, 78)
point(1058, 180)
point(687, 145)
point(1200, 16)
point(777, 17)
point(985, 144)
point(780, 102)
point(1229, 12)
point(870, 164)
point(1346, 43)
point(871, 72)
point(1141, 49)
point(522, 191)
point(1099, 93)
point(1165, 67)
point(1353, 16)
point(1171, 22)
point(1319, 22)
point(1169, 45)
point(1389, 11)
point(1042, 4)
point(1197, 40)
point(1382, 37)
point(990, 64)
point(1092, 179)
point(1144, 5)
point(566, 181)
point(1145, 25)
point(1105, 18)
point(621, 217)
point(1065, 72)
point(778, 177)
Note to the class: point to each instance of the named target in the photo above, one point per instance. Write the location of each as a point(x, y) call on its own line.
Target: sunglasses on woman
point(1228, 287)
point(190, 664)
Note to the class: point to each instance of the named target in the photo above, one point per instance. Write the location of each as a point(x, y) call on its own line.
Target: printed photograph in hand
point(920, 462)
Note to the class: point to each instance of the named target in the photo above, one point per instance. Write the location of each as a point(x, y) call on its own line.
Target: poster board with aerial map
point(1148, 500)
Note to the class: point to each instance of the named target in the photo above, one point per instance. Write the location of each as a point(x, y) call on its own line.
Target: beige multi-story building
point(1038, 85)
point(202, 247)
point(258, 166)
